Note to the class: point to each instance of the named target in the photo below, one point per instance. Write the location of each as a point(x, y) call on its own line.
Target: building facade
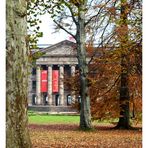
point(47, 91)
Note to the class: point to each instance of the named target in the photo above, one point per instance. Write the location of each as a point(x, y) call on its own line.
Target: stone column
point(30, 100)
point(38, 83)
point(73, 70)
point(61, 68)
point(30, 87)
point(50, 84)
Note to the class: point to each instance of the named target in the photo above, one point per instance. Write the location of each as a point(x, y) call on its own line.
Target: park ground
point(57, 131)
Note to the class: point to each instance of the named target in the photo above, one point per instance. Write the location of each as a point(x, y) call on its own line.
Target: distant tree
point(17, 135)
point(126, 48)
point(124, 35)
point(78, 14)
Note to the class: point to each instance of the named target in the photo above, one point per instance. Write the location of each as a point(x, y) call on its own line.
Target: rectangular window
point(33, 71)
point(34, 85)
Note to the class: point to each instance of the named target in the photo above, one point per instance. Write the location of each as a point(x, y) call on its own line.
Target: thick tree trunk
point(124, 97)
point(124, 89)
point(17, 135)
point(85, 113)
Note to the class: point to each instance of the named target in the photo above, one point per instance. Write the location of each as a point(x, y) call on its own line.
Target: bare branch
point(92, 57)
point(60, 26)
point(86, 23)
point(71, 11)
point(111, 87)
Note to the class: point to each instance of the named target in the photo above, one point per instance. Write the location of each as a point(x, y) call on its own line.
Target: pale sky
point(47, 27)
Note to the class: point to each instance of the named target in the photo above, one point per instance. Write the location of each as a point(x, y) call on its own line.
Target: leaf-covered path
point(68, 136)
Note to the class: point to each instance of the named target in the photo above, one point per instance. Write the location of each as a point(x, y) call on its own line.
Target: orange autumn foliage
point(104, 82)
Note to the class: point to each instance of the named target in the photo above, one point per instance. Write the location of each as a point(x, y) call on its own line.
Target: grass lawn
point(36, 118)
point(44, 119)
point(53, 119)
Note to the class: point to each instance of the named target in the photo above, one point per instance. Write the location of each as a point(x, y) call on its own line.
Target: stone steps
point(52, 109)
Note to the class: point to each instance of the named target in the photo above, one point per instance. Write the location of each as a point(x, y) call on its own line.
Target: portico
point(46, 84)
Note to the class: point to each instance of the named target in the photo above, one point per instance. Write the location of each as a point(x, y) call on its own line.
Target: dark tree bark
point(124, 97)
point(124, 89)
point(17, 135)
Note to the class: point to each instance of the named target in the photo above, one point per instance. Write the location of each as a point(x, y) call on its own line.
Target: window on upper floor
point(34, 71)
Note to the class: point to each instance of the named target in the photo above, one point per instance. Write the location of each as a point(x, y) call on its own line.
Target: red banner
point(44, 78)
point(55, 81)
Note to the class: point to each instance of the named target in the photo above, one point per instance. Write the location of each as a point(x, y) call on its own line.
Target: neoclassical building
point(46, 86)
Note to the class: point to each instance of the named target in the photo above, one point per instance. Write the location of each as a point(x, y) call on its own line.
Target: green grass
point(36, 118)
point(44, 118)
point(53, 119)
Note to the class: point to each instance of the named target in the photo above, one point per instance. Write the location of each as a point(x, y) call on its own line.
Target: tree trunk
point(85, 113)
point(17, 135)
point(124, 89)
point(124, 98)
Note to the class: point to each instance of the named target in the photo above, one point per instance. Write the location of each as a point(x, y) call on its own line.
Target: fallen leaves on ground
point(68, 136)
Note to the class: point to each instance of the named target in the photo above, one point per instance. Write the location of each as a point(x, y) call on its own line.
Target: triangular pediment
point(64, 48)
